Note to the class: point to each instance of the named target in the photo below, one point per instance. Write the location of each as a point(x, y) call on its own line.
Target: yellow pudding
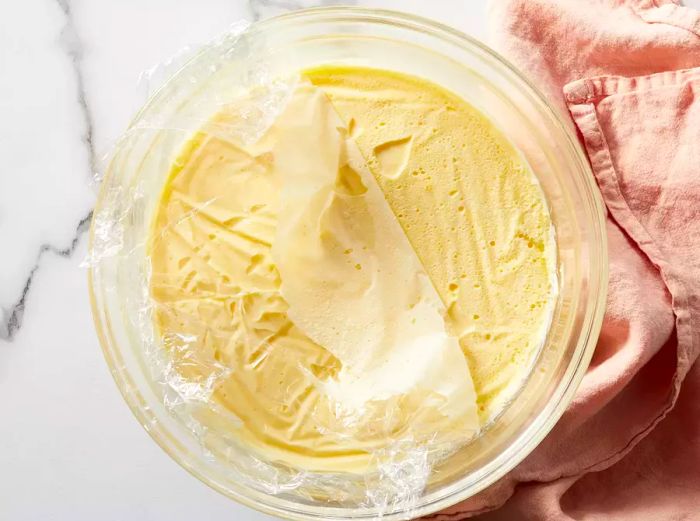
point(378, 266)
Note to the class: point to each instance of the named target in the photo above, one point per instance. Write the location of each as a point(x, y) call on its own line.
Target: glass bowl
point(141, 161)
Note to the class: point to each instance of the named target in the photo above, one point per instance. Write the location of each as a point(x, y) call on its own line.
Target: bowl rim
point(590, 325)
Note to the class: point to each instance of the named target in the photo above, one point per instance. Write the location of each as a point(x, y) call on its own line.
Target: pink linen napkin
point(627, 74)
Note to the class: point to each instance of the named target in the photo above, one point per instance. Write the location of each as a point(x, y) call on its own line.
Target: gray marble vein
point(259, 8)
point(11, 320)
point(74, 48)
point(263, 8)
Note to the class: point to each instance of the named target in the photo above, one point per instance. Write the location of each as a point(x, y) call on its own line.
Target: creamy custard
point(378, 266)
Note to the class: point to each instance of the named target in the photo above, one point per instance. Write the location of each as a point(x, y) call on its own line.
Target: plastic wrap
point(394, 423)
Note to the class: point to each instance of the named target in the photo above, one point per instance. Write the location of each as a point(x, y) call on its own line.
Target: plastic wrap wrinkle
point(151, 79)
point(229, 77)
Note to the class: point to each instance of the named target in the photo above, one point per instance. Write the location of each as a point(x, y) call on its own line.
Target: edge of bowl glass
point(590, 327)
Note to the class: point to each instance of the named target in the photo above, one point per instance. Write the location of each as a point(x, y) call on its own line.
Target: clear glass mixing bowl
point(141, 161)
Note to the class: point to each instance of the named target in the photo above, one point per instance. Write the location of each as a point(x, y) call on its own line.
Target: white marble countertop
point(69, 447)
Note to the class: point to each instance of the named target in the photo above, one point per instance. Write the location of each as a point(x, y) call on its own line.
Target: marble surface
point(69, 83)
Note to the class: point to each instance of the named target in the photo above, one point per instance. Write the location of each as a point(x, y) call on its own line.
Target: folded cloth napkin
point(627, 74)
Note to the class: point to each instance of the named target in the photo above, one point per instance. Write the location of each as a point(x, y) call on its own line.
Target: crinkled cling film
point(334, 282)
